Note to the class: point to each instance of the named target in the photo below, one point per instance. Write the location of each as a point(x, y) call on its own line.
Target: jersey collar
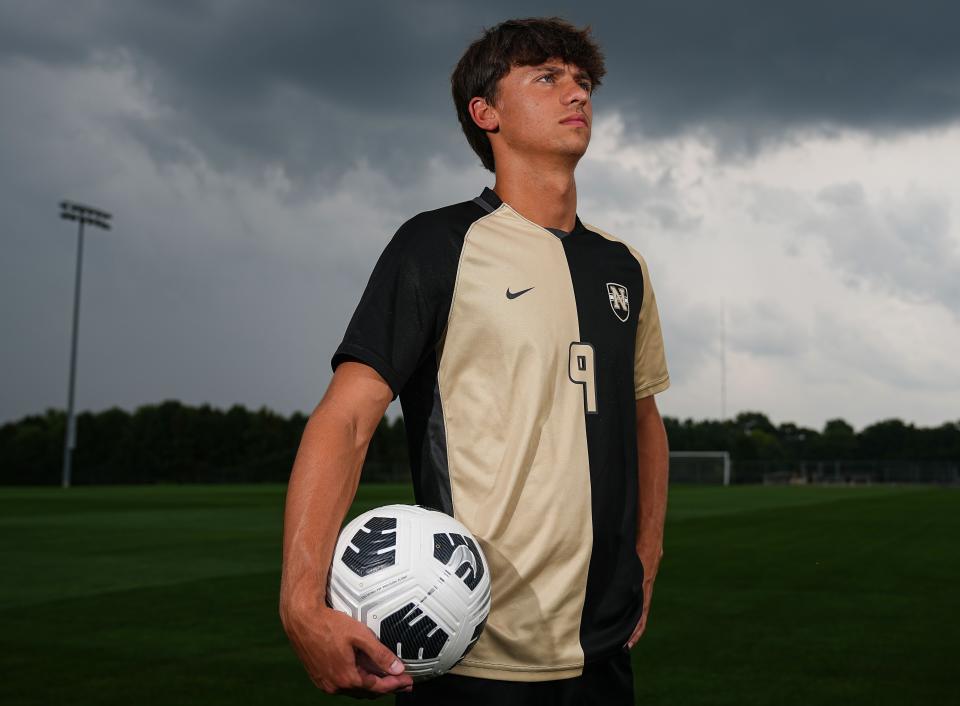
point(489, 196)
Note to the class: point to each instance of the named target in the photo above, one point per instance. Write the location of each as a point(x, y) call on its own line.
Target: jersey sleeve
point(395, 324)
point(650, 374)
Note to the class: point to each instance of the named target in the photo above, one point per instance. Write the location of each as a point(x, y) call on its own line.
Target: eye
point(587, 86)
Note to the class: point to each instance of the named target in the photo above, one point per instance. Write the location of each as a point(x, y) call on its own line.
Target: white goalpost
point(700, 467)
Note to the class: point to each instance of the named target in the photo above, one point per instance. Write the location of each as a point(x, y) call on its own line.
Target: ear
point(484, 114)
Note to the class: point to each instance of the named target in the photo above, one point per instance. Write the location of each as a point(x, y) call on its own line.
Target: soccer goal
point(707, 467)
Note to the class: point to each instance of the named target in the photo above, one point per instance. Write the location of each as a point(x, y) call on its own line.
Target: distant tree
point(31, 450)
point(838, 441)
point(798, 442)
point(890, 439)
point(170, 442)
point(940, 443)
point(748, 422)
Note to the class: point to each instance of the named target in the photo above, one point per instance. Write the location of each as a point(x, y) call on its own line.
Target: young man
point(525, 348)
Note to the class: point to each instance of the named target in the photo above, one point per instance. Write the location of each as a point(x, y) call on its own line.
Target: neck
point(546, 197)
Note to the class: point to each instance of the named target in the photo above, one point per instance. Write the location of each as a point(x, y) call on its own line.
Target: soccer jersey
point(518, 352)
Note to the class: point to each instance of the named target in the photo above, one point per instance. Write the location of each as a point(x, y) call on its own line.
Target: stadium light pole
point(83, 215)
point(723, 359)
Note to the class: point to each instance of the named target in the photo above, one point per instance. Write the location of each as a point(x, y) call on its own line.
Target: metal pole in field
point(71, 435)
point(95, 217)
point(723, 359)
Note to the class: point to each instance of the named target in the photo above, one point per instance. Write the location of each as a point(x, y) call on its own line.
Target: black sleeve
point(398, 320)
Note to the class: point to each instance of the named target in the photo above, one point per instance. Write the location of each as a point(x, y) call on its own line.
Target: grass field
point(766, 595)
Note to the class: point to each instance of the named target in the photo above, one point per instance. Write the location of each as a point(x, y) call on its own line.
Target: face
point(544, 109)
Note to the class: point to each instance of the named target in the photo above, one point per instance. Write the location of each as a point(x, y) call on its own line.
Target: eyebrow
point(557, 70)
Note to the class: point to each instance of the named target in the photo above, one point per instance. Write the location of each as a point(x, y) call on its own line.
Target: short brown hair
point(524, 42)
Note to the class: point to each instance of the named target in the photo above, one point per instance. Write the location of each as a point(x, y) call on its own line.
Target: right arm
point(340, 654)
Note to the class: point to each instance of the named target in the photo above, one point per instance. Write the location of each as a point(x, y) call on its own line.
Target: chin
point(579, 150)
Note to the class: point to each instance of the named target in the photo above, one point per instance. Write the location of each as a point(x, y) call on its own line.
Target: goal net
point(707, 467)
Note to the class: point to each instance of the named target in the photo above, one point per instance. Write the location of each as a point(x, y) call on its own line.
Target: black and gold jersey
point(518, 353)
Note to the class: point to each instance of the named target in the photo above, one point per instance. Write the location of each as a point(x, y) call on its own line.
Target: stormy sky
point(790, 164)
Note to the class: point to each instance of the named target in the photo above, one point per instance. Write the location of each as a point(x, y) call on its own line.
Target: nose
point(576, 92)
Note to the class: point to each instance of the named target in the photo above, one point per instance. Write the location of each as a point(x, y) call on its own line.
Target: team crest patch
point(618, 300)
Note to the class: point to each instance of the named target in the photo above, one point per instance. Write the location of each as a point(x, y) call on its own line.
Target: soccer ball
point(418, 579)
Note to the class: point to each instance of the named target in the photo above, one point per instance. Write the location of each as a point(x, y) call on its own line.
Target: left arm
point(652, 476)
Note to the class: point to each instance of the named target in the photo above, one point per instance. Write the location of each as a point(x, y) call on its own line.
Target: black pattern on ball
point(470, 571)
point(476, 636)
point(408, 630)
point(380, 534)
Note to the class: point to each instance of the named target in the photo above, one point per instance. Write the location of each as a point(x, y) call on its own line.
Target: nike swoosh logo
point(514, 295)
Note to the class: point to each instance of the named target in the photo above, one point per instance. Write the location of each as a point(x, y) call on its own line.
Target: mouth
point(575, 120)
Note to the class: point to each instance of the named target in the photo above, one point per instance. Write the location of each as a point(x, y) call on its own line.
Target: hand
point(653, 561)
point(342, 655)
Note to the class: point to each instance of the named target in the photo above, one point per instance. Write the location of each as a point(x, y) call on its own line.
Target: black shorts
point(608, 682)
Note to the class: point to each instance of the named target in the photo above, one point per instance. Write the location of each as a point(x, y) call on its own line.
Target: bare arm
point(653, 461)
point(340, 654)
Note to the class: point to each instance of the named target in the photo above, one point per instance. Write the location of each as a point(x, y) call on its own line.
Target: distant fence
point(846, 472)
point(701, 467)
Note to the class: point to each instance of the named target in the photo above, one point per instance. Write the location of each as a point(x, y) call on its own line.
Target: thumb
point(379, 653)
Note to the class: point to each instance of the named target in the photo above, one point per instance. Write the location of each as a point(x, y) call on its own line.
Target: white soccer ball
point(418, 578)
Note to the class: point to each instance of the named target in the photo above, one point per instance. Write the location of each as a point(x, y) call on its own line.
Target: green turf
point(766, 595)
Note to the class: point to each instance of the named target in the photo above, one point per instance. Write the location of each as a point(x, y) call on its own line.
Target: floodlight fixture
point(84, 215)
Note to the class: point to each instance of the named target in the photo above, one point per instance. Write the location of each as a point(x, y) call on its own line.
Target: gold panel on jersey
point(517, 445)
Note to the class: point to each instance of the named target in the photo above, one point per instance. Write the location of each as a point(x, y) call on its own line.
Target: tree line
point(172, 442)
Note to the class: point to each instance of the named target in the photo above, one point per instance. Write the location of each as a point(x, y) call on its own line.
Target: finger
point(638, 633)
point(384, 659)
point(384, 683)
point(634, 636)
point(363, 661)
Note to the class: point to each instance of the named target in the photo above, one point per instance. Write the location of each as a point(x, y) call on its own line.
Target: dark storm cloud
point(215, 131)
point(308, 85)
point(315, 86)
point(750, 71)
